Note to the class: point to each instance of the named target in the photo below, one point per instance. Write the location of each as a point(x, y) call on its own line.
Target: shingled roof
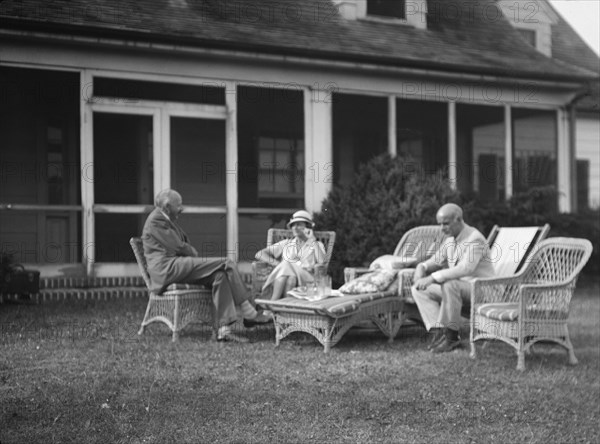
point(475, 38)
point(570, 48)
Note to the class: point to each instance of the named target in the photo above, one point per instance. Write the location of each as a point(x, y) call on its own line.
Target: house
point(255, 109)
point(544, 29)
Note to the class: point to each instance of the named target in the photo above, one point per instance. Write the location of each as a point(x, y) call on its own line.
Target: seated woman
point(294, 259)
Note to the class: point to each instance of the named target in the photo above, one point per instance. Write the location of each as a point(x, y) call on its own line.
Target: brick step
point(83, 288)
point(85, 282)
point(66, 294)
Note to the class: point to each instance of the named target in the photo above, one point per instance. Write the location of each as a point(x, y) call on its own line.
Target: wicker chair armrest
point(545, 301)
point(405, 281)
point(182, 292)
point(354, 272)
point(259, 268)
point(488, 290)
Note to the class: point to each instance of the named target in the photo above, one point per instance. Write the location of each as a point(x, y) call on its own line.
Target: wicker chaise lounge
point(416, 245)
point(329, 319)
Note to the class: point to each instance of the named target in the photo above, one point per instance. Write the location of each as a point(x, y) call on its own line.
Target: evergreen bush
point(371, 214)
point(387, 198)
point(538, 206)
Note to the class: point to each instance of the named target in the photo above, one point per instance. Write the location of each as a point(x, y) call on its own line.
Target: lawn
point(78, 372)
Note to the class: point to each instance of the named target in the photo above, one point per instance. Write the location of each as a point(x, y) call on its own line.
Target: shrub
point(371, 214)
point(538, 207)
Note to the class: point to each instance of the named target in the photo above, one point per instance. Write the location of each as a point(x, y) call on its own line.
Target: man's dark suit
point(172, 259)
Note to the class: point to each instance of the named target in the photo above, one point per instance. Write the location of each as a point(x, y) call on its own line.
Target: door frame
point(161, 113)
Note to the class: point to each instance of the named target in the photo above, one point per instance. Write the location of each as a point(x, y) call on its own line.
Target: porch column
point(88, 253)
point(572, 119)
point(508, 153)
point(231, 168)
point(452, 144)
point(564, 160)
point(392, 148)
point(318, 136)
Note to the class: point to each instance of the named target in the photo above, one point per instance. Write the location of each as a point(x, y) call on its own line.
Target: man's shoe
point(447, 346)
point(260, 318)
point(437, 339)
point(226, 335)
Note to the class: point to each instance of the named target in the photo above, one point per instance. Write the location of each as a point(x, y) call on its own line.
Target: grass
point(79, 373)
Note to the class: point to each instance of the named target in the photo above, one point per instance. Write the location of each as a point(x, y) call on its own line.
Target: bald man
point(171, 259)
point(441, 282)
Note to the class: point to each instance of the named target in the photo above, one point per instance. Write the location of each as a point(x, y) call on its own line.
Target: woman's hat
point(301, 216)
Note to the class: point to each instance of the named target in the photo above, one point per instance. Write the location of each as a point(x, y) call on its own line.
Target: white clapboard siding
point(588, 148)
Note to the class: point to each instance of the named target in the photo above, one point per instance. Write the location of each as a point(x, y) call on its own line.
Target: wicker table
point(329, 319)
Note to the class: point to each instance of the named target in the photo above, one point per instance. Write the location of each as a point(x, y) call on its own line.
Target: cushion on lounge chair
point(335, 307)
point(349, 303)
point(500, 311)
point(180, 286)
point(391, 262)
point(378, 280)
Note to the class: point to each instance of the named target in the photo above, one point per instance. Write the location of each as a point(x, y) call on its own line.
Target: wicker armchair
point(511, 247)
point(417, 243)
point(534, 304)
point(261, 270)
point(178, 305)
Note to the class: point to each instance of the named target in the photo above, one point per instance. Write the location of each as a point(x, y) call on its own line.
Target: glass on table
point(311, 289)
point(324, 286)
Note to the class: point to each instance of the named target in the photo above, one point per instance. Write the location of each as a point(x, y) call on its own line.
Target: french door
point(139, 149)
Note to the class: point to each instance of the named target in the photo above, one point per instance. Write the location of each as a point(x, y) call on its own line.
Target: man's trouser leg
point(237, 287)
point(229, 291)
point(454, 294)
point(215, 273)
point(223, 298)
point(428, 301)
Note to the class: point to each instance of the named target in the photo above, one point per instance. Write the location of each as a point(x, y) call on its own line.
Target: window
point(422, 135)
point(535, 149)
point(359, 125)
point(280, 167)
point(270, 148)
point(480, 151)
point(387, 8)
point(529, 35)
point(208, 93)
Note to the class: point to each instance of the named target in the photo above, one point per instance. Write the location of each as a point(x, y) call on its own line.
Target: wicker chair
point(178, 305)
point(511, 247)
point(417, 244)
point(261, 270)
point(532, 305)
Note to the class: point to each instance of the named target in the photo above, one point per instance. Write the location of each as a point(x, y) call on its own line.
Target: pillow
point(375, 281)
point(391, 262)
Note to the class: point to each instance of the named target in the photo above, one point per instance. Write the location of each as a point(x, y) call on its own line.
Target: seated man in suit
point(441, 282)
point(172, 259)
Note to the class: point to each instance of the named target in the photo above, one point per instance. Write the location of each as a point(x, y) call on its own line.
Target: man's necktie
point(452, 254)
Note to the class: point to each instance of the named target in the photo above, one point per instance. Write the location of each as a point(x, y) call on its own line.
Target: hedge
point(384, 200)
